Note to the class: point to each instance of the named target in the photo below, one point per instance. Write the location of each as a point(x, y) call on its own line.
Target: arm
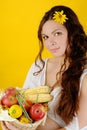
point(8, 126)
point(61, 129)
point(50, 125)
point(81, 120)
point(82, 113)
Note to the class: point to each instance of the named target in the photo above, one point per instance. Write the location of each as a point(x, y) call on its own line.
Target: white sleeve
point(73, 125)
point(32, 80)
point(85, 128)
point(29, 79)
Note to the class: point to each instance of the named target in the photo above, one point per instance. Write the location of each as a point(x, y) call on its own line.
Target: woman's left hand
point(8, 126)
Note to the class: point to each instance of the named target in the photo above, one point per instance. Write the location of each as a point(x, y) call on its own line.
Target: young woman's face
point(55, 38)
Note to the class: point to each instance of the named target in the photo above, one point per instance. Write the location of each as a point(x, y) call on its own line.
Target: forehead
point(51, 25)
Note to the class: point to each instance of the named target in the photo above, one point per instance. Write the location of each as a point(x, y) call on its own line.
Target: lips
point(54, 49)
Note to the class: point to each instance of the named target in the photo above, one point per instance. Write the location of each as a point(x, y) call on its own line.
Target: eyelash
point(44, 37)
point(58, 33)
point(55, 34)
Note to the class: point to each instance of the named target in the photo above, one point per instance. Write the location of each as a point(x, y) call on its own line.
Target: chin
point(58, 55)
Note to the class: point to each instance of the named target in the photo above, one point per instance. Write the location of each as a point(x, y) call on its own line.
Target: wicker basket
point(5, 117)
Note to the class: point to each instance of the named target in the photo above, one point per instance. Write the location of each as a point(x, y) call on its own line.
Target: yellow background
point(19, 20)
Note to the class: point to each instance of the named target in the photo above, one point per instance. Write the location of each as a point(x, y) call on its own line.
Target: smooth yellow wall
point(19, 20)
point(18, 35)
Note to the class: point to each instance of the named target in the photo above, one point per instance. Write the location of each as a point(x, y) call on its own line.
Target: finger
point(11, 126)
point(3, 126)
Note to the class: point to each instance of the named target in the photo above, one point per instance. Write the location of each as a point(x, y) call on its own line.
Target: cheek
point(46, 44)
point(63, 48)
point(64, 43)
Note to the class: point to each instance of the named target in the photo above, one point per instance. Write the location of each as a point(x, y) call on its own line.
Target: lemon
point(24, 120)
point(15, 111)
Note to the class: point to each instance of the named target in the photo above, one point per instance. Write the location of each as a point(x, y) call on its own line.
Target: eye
point(44, 37)
point(57, 33)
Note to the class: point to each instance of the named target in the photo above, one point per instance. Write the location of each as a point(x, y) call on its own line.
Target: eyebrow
point(53, 31)
point(56, 30)
point(43, 34)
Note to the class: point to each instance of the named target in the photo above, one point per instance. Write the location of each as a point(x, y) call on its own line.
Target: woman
point(66, 73)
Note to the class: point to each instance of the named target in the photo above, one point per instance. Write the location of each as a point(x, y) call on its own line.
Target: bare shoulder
point(84, 85)
point(82, 112)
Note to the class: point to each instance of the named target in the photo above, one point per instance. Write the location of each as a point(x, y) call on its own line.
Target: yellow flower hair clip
point(60, 17)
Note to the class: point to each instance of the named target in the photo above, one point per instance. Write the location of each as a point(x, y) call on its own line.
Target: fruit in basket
point(9, 100)
point(38, 94)
point(38, 98)
point(15, 111)
point(37, 90)
point(37, 111)
point(24, 120)
point(11, 91)
point(27, 104)
point(0, 102)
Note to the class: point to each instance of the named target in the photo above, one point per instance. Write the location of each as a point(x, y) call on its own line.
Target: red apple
point(37, 112)
point(27, 105)
point(9, 100)
point(11, 91)
point(46, 107)
point(0, 102)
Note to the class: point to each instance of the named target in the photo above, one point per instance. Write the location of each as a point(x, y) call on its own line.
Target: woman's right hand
point(49, 125)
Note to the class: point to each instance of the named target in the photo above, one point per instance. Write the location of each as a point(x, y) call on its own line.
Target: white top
point(39, 80)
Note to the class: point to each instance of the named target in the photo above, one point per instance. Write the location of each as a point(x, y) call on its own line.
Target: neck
point(57, 60)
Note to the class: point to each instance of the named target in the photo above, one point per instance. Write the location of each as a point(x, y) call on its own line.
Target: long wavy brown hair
point(69, 100)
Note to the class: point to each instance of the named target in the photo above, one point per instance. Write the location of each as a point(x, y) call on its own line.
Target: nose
point(52, 41)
